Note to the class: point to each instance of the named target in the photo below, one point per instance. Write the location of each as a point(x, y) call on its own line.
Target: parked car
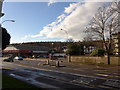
point(23, 56)
point(34, 56)
point(10, 59)
point(18, 58)
point(45, 56)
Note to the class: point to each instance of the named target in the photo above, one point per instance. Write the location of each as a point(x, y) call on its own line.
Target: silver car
point(18, 58)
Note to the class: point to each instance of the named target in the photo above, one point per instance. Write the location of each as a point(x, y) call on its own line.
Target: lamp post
point(1, 2)
point(6, 21)
point(65, 32)
point(1, 14)
point(52, 49)
point(69, 58)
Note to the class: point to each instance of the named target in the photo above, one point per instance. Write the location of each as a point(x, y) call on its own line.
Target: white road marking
point(102, 75)
point(106, 75)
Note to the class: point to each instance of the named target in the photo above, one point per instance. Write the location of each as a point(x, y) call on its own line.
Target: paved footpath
point(94, 75)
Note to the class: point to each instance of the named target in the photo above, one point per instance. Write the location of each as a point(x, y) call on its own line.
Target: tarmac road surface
point(45, 78)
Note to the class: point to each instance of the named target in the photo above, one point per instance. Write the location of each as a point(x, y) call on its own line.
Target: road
point(46, 78)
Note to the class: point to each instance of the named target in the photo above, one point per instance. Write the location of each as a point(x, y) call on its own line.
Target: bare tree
point(88, 37)
point(116, 6)
point(104, 24)
point(69, 40)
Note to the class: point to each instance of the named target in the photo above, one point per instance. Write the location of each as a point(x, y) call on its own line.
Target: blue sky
point(38, 21)
point(30, 17)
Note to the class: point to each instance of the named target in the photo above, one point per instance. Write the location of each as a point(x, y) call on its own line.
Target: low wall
point(94, 60)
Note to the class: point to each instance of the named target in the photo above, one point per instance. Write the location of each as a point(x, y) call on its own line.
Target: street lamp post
point(69, 58)
point(6, 21)
point(65, 32)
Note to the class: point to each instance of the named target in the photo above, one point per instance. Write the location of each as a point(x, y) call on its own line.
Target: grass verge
point(10, 82)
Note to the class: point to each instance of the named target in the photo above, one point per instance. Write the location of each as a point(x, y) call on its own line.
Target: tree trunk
point(108, 57)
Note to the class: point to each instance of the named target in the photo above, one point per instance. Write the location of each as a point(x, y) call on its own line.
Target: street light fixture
point(65, 32)
point(7, 20)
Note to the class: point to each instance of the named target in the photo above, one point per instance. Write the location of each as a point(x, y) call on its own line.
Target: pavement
point(103, 76)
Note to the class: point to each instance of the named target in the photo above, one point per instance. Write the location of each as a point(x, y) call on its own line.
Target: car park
point(10, 59)
point(18, 58)
point(45, 56)
point(40, 56)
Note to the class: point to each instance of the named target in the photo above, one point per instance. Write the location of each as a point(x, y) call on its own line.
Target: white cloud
point(51, 2)
point(71, 7)
point(30, 36)
point(25, 37)
point(74, 20)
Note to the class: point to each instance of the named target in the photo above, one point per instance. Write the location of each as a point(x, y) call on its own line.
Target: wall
point(95, 60)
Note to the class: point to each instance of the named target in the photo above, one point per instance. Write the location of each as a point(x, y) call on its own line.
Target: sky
point(43, 21)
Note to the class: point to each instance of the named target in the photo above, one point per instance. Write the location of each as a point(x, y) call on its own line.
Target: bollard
point(48, 62)
point(57, 63)
point(69, 58)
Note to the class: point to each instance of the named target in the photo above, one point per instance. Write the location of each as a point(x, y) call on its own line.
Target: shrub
point(75, 49)
point(98, 52)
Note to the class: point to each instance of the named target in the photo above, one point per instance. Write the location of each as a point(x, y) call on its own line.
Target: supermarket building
point(25, 50)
